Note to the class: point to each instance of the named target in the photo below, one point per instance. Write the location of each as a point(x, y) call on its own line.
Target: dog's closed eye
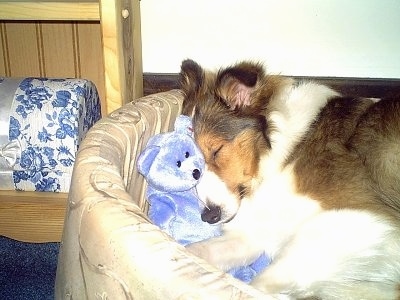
point(216, 152)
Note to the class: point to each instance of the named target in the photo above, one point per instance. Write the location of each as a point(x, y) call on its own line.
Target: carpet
point(27, 270)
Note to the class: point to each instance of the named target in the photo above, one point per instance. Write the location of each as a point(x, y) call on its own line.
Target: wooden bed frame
point(117, 61)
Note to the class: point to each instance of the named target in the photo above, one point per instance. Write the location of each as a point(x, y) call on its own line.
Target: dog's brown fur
point(328, 166)
point(377, 142)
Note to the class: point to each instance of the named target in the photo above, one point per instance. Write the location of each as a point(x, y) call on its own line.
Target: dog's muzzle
point(211, 214)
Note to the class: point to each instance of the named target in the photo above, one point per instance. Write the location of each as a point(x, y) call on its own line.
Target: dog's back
point(377, 142)
point(351, 155)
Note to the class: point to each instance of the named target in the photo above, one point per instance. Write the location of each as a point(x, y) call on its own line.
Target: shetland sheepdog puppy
point(301, 173)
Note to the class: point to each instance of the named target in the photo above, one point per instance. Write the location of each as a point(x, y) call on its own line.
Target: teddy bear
point(172, 165)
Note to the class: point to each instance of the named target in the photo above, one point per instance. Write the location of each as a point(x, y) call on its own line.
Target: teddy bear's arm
point(162, 211)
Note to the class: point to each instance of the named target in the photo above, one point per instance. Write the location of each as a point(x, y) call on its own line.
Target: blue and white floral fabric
point(47, 119)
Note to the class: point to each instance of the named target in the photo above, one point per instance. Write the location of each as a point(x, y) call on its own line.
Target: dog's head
point(229, 110)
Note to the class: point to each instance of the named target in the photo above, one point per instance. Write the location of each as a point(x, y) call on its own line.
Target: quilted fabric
point(48, 118)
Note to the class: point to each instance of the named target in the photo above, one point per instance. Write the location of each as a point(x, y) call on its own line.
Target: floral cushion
point(46, 120)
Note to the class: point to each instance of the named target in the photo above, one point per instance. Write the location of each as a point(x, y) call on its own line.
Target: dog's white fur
point(314, 251)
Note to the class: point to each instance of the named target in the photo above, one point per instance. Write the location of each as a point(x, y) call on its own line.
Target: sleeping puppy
point(297, 171)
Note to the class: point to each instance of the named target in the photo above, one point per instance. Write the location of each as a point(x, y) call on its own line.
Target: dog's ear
point(235, 84)
point(191, 81)
point(191, 76)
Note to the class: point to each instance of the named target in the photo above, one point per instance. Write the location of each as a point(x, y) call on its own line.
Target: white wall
point(354, 38)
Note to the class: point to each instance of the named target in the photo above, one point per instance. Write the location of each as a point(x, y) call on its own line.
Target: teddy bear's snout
point(196, 174)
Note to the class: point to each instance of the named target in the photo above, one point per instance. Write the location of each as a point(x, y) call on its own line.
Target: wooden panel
point(159, 82)
point(91, 57)
point(363, 87)
point(32, 216)
point(49, 10)
point(3, 46)
point(58, 50)
point(23, 52)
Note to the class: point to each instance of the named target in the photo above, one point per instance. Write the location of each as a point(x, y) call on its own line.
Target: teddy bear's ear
point(183, 124)
point(146, 159)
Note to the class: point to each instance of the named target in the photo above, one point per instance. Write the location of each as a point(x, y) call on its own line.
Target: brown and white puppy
point(298, 172)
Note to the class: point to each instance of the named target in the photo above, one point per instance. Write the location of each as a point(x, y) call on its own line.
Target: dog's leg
point(227, 251)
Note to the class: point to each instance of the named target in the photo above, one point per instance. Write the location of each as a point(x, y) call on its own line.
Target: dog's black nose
point(196, 174)
point(211, 215)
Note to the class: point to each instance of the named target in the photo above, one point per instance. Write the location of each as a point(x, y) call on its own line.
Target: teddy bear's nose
point(196, 174)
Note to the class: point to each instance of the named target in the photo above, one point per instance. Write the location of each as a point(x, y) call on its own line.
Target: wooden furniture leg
point(122, 51)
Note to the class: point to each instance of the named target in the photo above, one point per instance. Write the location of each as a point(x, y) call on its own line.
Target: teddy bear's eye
point(187, 154)
point(178, 163)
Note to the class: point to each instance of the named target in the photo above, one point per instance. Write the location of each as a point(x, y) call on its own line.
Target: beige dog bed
point(109, 248)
